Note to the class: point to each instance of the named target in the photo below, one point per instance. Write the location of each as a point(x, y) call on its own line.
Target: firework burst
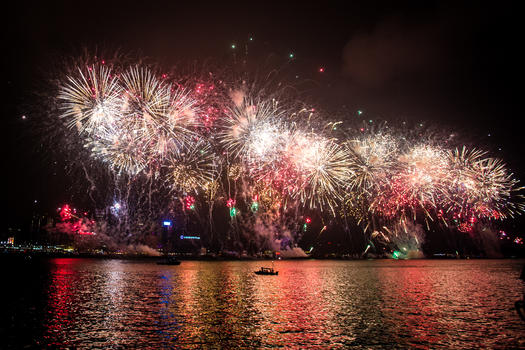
point(372, 159)
point(156, 109)
point(483, 187)
point(419, 183)
point(323, 169)
point(91, 101)
point(192, 168)
point(122, 149)
point(253, 131)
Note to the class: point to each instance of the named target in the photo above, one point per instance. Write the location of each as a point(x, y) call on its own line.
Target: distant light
point(24, 117)
point(189, 237)
point(234, 46)
point(251, 39)
point(166, 223)
point(321, 70)
point(359, 112)
point(291, 55)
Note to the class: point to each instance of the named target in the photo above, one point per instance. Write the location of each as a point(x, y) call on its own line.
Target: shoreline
point(40, 255)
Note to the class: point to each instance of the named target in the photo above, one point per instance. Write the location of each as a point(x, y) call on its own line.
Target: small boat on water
point(168, 261)
point(266, 271)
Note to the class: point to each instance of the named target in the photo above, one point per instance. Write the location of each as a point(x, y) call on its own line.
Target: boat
point(169, 261)
point(266, 271)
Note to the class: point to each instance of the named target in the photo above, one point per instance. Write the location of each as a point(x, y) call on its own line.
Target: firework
point(146, 98)
point(123, 150)
point(419, 184)
point(129, 121)
point(200, 137)
point(372, 159)
point(91, 101)
point(253, 131)
point(191, 168)
point(156, 112)
point(323, 169)
point(483, 187)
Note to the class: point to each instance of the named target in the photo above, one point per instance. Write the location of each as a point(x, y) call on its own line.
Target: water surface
point(88, 303)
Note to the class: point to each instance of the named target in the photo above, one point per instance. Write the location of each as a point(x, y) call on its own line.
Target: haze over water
point(88, 303)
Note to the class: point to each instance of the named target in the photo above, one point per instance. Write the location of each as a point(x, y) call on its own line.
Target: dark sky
point(456, 66)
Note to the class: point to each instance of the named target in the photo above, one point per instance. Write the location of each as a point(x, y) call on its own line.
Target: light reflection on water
point(321, 304)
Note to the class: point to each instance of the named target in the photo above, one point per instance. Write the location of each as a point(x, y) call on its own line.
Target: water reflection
point(319, 304)
point(458, 305)
point(59, 320)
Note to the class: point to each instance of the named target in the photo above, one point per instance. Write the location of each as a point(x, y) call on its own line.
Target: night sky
point(456, 67)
